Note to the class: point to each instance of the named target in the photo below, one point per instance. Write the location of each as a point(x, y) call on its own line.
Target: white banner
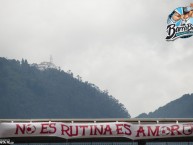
point(91, 130)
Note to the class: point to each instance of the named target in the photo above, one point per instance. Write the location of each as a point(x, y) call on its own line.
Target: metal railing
point(130, 120)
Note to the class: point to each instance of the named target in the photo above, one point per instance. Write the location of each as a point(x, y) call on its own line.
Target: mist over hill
point(28, 92)
point(179, 108)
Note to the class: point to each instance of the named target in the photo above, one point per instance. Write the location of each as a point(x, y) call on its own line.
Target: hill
point(28, 92)
point(179, 108)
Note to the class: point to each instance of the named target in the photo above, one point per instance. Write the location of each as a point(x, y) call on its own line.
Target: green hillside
point(27, 92)
point(179, 108)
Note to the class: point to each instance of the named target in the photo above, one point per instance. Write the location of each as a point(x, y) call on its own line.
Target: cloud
point(117, 44)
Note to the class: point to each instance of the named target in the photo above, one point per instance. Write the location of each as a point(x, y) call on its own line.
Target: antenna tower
point(51, 59)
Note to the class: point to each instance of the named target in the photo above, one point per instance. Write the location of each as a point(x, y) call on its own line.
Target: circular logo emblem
point(30, 129)
point(165, 131)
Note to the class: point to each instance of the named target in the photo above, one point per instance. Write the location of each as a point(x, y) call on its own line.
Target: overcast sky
point(119, 45)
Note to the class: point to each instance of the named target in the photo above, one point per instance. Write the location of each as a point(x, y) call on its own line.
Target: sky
point(119, 45)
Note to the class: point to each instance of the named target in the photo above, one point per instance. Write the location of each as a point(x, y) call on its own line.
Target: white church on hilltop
point(46, 65)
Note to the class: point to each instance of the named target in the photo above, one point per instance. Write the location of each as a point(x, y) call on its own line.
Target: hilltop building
point(46, 65)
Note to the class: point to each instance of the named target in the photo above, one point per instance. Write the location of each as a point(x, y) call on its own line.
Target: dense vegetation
point(179, 108)
point(27, 92)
